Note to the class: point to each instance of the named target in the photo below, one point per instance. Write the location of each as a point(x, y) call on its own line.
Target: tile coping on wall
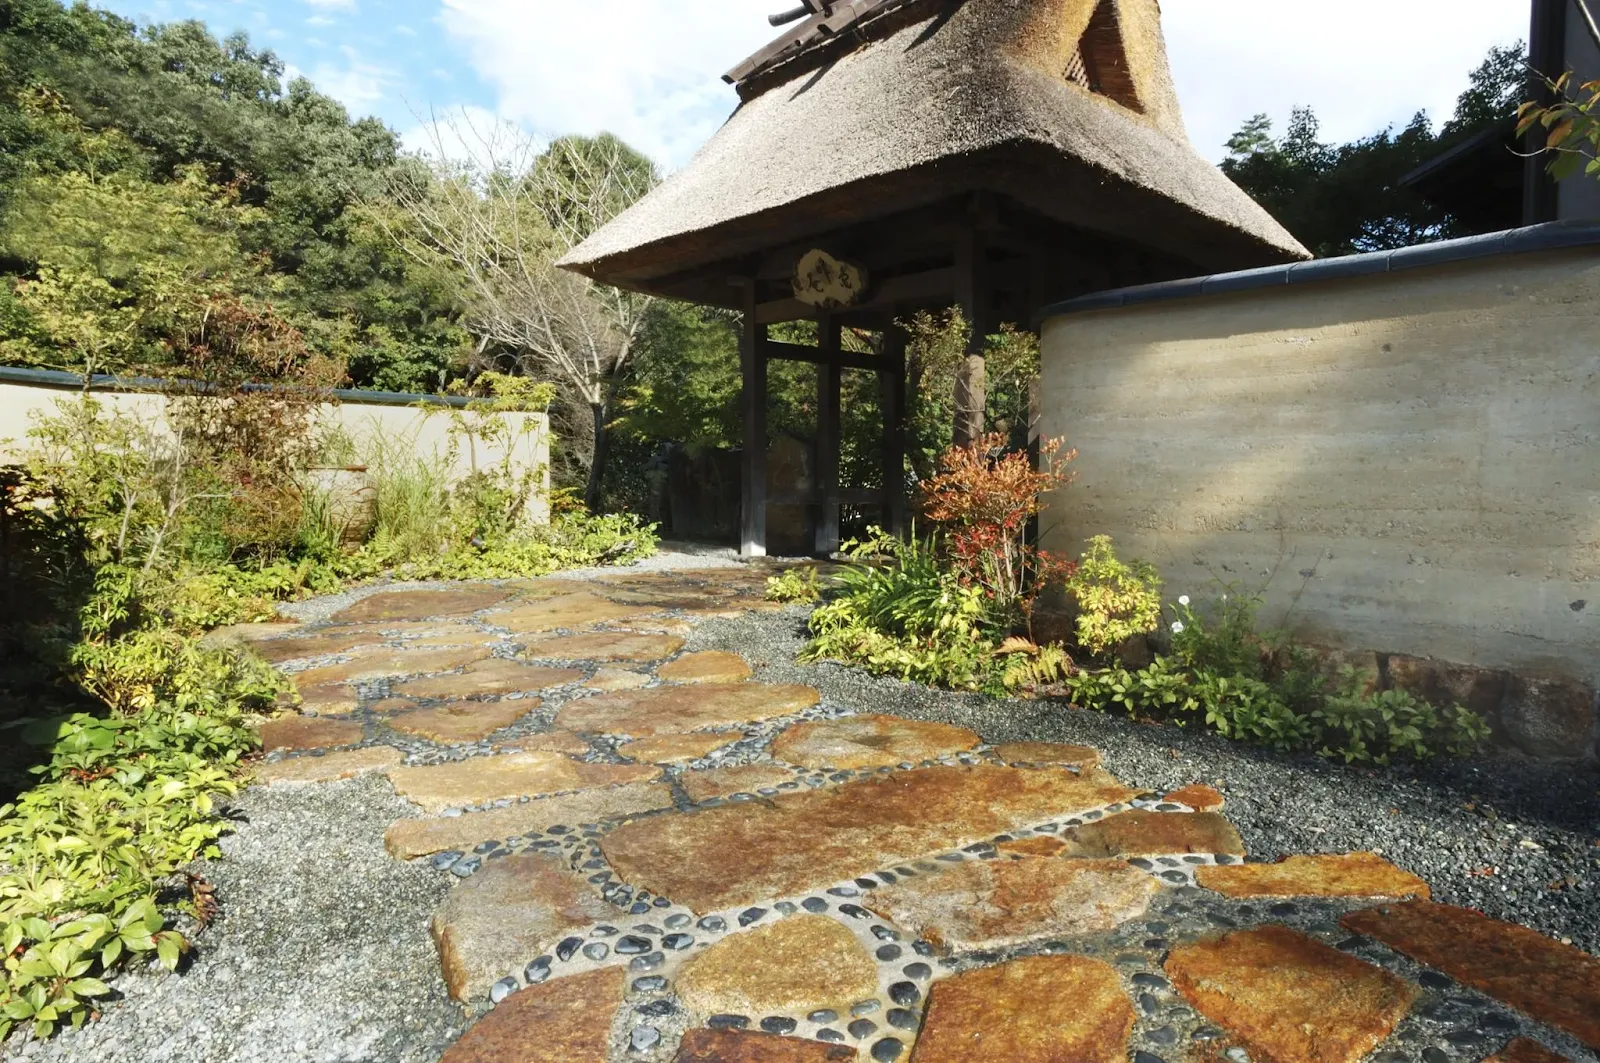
point(1551, 236)
point(53, 378)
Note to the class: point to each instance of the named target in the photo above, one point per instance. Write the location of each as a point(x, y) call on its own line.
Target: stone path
point(658, 857)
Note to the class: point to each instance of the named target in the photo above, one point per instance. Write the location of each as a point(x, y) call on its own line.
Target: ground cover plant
point(130, 539)
point(953, 608)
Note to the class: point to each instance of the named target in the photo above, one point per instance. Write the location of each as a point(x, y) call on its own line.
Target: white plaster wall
point(1406, 463)
point(426, 432)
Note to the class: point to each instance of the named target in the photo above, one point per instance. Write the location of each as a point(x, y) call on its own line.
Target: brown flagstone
point(1038, 845)
point(390, 706)
point(329, 699)
point(605, 646)
point(609, 679)
point(276, 651)
point(1198, 797)
point(549, 742)
point(422, 605)
point(712, 666)
point(993, 904)
point(679, 709)
point(1526, 1050)
point(567, 1020)
point(409, 838)
point(308, 732)
point(385, 661)
point(463, 721)
point(1289, 998)
point(1347, 875)
point(1143, 833)
point(856, 742)
point(507, 913)
point(743, 853)
point(1048, 754)
point(1555, 983)
point(675, 749)
point(743, 1046)
point(333, 767)
point(570, 611)
point(543, 588)
point(1040, 1009)
point(800, 964)
point(493, 677)
point(720, 782)
point(480, 780)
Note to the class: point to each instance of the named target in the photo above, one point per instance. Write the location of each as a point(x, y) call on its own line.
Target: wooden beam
point(796, 352)
point(892, 387)
point(829, 373)
point(753, 400)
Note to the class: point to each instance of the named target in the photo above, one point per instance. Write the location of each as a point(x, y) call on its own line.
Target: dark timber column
point(892, 385)
point(829, 380)
point(971, 376)
point(753, 360)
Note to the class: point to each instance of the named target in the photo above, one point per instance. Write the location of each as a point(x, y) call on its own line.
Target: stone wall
point(1403, 462)
point(393, 421)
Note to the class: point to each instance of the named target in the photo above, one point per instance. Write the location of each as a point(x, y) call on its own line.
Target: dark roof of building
point(1551, 236)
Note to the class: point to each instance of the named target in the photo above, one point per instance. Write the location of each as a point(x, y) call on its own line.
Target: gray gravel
point(322, 953)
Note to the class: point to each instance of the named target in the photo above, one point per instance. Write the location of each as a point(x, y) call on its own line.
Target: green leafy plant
point(903, 614)
point(1265, 690)
point(1116, 600)
point(794, 585)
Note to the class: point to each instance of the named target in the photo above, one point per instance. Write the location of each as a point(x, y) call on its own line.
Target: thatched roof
point(1065, 106)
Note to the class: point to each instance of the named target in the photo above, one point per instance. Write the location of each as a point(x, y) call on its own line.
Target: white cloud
point(356, 83)
point(1361, 64)
point(651, 71)
point(648, 72)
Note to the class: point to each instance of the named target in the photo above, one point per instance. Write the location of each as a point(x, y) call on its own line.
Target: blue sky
point(649, 70)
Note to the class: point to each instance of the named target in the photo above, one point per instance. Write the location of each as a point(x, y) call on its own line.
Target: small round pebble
point(649, 984)
point(644, 1038)
point(887, 1050)
point(904, 993)
point(889, 953)
point(814, 905)
point(823, 1015)
point(920, 971)
point(778, 1024)
point(502, 989)
point(713, 924)
point(862, 1029)
point(597, 951)
point(902, 1019)
point(727, 1022)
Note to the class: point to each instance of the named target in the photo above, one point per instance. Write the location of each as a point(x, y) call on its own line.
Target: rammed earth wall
point(372, 420)
point(1402, 450)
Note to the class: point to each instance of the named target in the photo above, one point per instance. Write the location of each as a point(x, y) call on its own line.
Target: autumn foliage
point(983, 499)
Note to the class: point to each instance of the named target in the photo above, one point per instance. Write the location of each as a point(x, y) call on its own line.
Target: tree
point(1345, 199)
point(501, 217)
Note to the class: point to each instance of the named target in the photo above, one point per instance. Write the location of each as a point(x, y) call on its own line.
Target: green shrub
point(1116, 600)
point(794, 585)
point(1269, 692)
point(124, 803)
point(906, 616)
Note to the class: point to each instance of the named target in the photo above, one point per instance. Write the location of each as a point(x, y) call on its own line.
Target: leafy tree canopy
point(1341, 199)
point(154, 148)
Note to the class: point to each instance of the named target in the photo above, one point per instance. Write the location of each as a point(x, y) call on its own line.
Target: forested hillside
point(149, 176)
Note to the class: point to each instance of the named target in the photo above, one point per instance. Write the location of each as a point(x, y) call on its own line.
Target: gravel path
point(322, 953)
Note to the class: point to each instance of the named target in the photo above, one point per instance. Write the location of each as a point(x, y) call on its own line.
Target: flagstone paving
point(657, 856)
